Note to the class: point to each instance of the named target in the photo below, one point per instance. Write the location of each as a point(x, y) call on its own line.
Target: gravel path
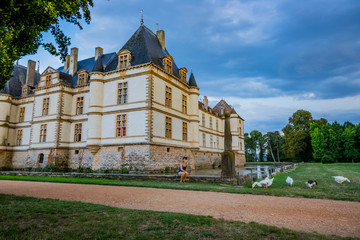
point(310, 215)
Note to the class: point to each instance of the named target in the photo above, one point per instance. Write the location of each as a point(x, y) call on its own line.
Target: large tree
point(297, 144)
point(23, 23)
point(273, 146)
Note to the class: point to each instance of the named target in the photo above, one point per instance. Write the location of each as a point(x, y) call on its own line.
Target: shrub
point(328, 158)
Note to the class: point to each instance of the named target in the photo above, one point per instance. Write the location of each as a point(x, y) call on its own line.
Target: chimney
point(67, 62)
point(161, 36)
point(206, 103)
point(98, 51)
point(30, 73)
point(73, 61)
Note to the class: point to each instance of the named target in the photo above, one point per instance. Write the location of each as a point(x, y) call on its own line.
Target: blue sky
point(265, 58)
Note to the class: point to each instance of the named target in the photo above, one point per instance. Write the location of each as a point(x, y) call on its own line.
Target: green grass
point(32, 218)
point(323, 173)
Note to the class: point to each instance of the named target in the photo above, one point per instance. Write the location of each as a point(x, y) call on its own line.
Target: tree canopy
point(23, 23)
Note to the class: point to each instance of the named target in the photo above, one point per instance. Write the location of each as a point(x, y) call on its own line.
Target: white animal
point(311, 183)
point(289, 181)
point(264, 183)
point(340, 179)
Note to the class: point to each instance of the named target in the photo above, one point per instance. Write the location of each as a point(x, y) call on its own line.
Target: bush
point(328, 158)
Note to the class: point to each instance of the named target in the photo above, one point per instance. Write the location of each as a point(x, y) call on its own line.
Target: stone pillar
point(95, 115)
point(228, 157)
point(193, 112)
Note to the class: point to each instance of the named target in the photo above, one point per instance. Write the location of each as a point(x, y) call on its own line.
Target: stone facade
point(79, 106)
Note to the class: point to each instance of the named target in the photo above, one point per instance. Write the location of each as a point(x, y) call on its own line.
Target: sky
point(267, 59)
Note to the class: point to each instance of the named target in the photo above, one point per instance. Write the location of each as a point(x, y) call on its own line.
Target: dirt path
point(310, 215)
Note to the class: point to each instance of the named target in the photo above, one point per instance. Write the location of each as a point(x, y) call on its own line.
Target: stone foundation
point(133, 157)
point(5, 159)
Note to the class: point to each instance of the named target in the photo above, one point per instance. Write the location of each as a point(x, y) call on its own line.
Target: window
point(183, 72)
point(211, 126)
point(124, 59)
point(217, 142)
point(121, 125)
point(168, 96)
point(22, 114)
point(43, 132)
point(203, 120)
point(82, 79)
point(204, 139)
point(79, 105)
point(185, 131)
point(48, 80)
point(168, 127)
point(25, 90)
point(211, 141)
point(217, 125)
point(168, 60)
point(19, 137)
point(240, 130)
point(184, 104)
point(77, 132)
point(122, 92)
point(45, 110)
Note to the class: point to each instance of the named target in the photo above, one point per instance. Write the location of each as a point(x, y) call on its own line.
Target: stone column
point(228, 157)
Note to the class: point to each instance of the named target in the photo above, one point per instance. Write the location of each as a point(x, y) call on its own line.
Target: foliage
point(349, 143)
point(23, 23)
point(318, 140)
point(328, 158)
point(254, 143)
point(297, 138)
point(250, 148)
point(32, 218)
point(274, 141)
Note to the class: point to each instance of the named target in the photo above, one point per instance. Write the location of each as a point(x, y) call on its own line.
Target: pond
point(259, 171)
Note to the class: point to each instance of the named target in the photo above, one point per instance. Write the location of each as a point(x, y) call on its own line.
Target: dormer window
point(82, 78)
point(48, 80)
point(168, 61)
point(124, 59)
point(25, 90)
point(182, 73)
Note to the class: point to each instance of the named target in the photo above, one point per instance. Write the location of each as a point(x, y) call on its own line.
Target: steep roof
point(145, 47)
point(14, 85)
point(223, 107)
point(192, 81)
point(98, 66)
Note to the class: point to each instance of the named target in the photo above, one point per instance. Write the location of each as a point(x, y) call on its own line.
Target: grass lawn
point(32, 218)
point(323, 173)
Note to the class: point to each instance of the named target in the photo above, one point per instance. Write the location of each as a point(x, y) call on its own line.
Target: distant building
point(131, 107)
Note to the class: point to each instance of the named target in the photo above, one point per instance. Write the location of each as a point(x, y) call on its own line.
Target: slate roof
point(145, 47)
point(226, 107)
point(192, 81)
point(14, 85)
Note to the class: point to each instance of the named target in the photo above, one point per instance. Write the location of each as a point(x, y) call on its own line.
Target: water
point(259, 171)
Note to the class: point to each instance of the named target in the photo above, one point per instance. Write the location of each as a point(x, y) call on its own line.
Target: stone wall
point(5, 159)
point(206, 159)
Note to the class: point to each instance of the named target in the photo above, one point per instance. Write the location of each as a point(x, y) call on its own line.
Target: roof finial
point(38, 65)
point(157, 25)
point(142, 19)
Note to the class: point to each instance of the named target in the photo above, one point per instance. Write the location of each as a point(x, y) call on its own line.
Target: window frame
point(122, 93)
point(43, 133)
point(78, 132)
point(22, 114)
point(45, 109)
point(121, 125)
point(185, 131)
point(79, 105)
point(184, 104)
point(48, 79)
point(168, 96)
point(19, 137)
point(168, 127)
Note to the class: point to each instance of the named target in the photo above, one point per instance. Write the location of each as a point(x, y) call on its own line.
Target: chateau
point(133, 107)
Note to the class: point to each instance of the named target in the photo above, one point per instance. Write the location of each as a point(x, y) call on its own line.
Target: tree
point(273, 145)
point(250, 148)
point(259, 143)
point(297, 136)
point(334, 140)
point(318, 140)
point(23, 22)
point(348, 138)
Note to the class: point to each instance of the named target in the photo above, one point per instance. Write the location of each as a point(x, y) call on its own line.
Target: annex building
point(134, 107)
